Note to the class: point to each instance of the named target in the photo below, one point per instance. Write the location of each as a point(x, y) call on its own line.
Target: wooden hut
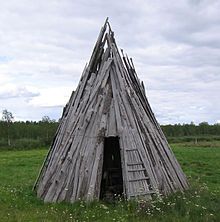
point(108, 141)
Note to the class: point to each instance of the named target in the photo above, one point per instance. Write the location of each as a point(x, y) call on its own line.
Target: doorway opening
point(112, 182)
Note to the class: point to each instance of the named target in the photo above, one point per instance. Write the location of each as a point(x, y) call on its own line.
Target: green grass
point(19, 169)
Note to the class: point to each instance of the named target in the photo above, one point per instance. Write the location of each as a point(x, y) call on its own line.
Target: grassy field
point(201, 163)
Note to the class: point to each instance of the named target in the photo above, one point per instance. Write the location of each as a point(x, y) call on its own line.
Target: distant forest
point(31, 134)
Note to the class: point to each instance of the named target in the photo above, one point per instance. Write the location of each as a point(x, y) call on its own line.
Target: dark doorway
point(112, 182)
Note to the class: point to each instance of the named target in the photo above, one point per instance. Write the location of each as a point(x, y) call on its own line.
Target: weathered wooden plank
point(139, 179)
point(136, 170)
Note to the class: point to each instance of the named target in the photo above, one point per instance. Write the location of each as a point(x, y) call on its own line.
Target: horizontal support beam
point(133, 164)
point(139, 179)
point(136, 170)
point(131, 149)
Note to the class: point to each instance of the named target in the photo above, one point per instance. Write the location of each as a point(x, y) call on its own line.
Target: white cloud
point(13, 91)
point(52, 97)
point(44, 46)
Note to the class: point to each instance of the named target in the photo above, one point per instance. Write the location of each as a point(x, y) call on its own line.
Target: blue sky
point(175, 45)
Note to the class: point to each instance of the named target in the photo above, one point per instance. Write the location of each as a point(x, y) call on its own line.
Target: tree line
point(25, 134)
point(191, 132)
point(191, 129)
point(36, 134)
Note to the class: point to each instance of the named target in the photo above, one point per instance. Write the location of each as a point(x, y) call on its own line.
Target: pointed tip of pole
point(103, 29)
point(106, 21)
point(108, 24)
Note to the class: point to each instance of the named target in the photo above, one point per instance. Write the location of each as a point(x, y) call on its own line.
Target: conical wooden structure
point(108, 139)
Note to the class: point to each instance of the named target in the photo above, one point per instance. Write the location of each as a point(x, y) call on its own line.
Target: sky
point(175, 46)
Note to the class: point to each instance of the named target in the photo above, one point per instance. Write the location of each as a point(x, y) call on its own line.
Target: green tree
point(7, 117)
point(46, 119)
point(47, 125)
point(204, 128)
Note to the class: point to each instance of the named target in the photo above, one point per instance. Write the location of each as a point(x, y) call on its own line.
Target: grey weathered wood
point(110, 100)
point(136, 170)
point(138, 179)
